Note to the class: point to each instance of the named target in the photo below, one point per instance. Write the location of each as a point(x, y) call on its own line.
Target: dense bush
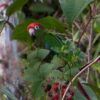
point(67, 64)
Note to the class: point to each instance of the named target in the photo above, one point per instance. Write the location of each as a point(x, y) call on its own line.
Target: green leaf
point(78, 96)
point(52, 23)
point(90, 92)
point(1, 25)
point(32, 58)
point(17, 5)
point(46, 69)
point(31, 73)
point(97, 51)
point(76, 36)
point(37, 88)
point(96, 66)
point(97, 25)
point(70, 71)
point(57, 61)
point(73, 8)
point(95, 89)
point(38, 55)
point(42, 53)
point(21, 16)
point(56, 74)
point(20, 32)
point(41, 8)
point(97, 37)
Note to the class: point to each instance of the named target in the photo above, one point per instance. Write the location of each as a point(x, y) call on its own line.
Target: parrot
point(43, 38)
point(33, 27)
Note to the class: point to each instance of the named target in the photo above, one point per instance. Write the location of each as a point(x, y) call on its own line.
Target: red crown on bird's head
point(33, 27)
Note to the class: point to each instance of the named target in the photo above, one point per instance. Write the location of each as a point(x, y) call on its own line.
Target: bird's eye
point(36, 27)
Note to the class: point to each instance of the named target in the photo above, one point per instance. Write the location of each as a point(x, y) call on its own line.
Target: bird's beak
point(32, 32)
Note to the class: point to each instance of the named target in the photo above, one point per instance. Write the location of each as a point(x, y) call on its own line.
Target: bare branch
point(4, 25)
point(79, 73)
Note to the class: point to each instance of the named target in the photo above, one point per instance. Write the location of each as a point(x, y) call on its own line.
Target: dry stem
point(79, 73)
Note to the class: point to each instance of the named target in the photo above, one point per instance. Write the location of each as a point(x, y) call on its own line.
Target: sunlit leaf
point(20, 32)
point(97, 25)
point(46, 69)
point(78, 96)
point(97, 52)
point(95, 89)
point(37, 89)
point(42, 53)
point(17, 5)
point(73, 8)
point(56, 74)
point(90, 92)
point(57, 61)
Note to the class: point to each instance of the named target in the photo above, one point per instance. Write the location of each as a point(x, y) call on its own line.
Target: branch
point(85, 27)
point(96, 17)
point(84, 30)
point(4, 25)
point(90, 37)
point(79, 73)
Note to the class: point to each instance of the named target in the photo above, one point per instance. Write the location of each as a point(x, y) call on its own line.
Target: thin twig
point(90, 38)
point(96, 17)
point(10, 24)
point(79, 73)
point(77, 25)
point(84, 30)
point(4, 25)
point(89, 44)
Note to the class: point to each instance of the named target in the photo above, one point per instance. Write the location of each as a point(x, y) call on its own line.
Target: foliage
point(65, 49)
point(72, 9)
point(39, 71)
point(97, 25)
point(17, 5)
